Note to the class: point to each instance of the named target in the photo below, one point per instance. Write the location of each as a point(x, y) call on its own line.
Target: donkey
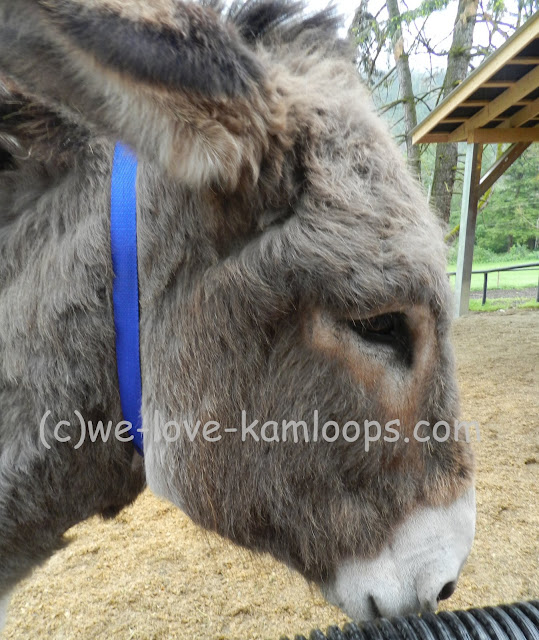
point(288, 267)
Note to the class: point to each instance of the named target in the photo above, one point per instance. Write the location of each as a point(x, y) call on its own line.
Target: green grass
point(503, 303)
point(529, 304)
point(503, 280)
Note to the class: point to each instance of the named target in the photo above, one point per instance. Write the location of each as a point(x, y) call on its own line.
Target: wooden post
point(468, 215)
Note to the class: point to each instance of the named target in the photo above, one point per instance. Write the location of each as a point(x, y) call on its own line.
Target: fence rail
point(516, 267)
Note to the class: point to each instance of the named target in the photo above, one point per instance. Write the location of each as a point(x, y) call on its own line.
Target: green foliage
point(424, 10)
point(517, 255)
point(510, 216)
point(481, 255)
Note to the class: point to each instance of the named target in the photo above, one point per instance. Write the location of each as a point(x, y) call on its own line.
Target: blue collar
point(123, 241)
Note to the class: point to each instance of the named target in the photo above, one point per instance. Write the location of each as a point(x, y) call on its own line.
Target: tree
point(406, 91)
point(458, 61)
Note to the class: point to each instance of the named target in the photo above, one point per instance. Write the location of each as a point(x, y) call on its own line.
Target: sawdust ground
point(151, 574)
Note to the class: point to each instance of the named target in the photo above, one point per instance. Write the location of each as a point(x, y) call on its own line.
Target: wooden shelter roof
point(498, 102)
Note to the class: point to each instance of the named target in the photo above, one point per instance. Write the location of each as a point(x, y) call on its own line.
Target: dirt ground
point(151, 574)
point(529, 293)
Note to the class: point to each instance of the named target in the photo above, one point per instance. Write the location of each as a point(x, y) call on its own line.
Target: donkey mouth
point(415, 572)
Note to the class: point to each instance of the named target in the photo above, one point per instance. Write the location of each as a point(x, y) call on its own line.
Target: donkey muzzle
point(415, 571)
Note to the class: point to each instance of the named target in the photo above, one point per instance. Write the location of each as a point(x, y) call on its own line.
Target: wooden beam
point(522, 116)
point(435, 137)
point(453, 120)
point(510, 49)
point(500, 166)
point(482, 103)
point(468, 216)
point(524, 61)
point(474, 103)
point(490, 136)
point(521, 88)
point(498, 85)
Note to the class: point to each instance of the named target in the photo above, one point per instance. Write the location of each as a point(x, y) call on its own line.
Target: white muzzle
point(419, 568)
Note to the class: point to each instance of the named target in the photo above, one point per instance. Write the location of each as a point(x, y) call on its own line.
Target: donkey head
point(290, 270)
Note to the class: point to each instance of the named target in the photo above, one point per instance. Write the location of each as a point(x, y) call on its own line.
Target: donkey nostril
point(447, 591)
point(375, 611)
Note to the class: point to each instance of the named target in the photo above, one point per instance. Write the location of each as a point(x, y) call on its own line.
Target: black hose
point(519, 621)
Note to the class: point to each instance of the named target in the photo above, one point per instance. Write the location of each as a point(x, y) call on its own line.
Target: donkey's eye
point(387, 329)
point(383, 326)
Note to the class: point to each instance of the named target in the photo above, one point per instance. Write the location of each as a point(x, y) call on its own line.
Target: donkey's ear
point(168, 78)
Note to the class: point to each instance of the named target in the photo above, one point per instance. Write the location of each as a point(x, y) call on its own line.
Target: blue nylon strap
point(123, 240)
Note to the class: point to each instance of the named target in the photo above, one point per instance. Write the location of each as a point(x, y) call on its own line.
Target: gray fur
point(269, 216)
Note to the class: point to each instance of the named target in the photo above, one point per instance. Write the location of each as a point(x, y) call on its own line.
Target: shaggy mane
point(281, 21)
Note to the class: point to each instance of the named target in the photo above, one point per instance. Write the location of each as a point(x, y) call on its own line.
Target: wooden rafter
point(520, 89)
point(522, 116)
point(498, 84)
point(524, 61)
point(474, 103)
